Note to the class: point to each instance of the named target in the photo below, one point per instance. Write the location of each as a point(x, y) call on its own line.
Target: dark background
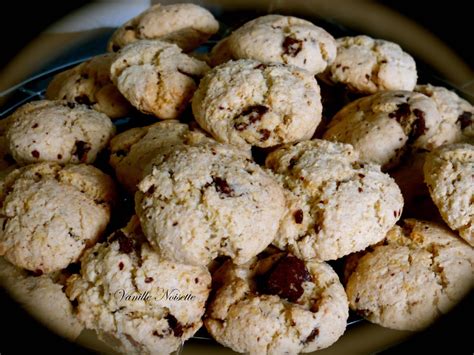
point(20, 22)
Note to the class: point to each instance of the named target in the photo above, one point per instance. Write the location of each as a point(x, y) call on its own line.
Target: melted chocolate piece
point(292, 46)
point(419, 126)
point(222, 186)
point(298, 216)
point(402, 111)
point(175, 326)
point(465, 119)
point(35, 154)
point(312, 336)
point(81, 149)
point(254, 114)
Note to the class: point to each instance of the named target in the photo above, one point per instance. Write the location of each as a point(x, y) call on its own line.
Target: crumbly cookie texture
point(337, 205)
point(280, 39)
point(419, 272)
point(248, 103)
point(199, 202)
point(456, 113)
point(57, 131)
point(383, 126)
point(136, 301)
point(277, 305)
point(42, 297)
point(449, 174)
point(132, 150)
point(187, 25)
point(368, 65)
point(156, 77)
point(50, 214)
point(89, 83)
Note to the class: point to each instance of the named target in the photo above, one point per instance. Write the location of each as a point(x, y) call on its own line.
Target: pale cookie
point(383, 126)
point(449, 174)
point(280, 39)
point(187, 25)
point(57, 131)
point(43, 298)
point(156, 77)
point(200, 202)
point(418, 273)
point(368, 65)
point(137, 302)
point(277, 305)
point(50, 214)
point(132, 150)
point(337, 204)
point(89, 83)
point(456, 113)
point(247, 103)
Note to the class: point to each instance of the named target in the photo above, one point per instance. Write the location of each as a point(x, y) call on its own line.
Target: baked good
point(449, 174)
point(6, 159)
point(43, 297)
point(187, 25)
point(385, 125)
point(57, 131)
point(277, 304)
point(279, 39)
point(156, 77)
point(50, 214)
point(89, 83)
point(418, 273)
point(337, 204)
point(200, 202)
point(247, 103)
point(137, 302)
point(368, 65)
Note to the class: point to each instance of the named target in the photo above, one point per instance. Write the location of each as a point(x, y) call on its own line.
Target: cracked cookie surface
point(156, 77)
point(136, 301)
point(385, 125)
point(368, 65)
point(449, 174)
point(279, 39)
point(337, 205)
point(50, 214)
point(89, 83)
point(197, 203)
point(277, 304)
point(248, 103)
point(57, 131)
point(419, 272)
point(187, 25)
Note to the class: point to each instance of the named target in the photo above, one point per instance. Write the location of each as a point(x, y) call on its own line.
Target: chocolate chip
point(129, 28)
point(360, 189)
point(156, 334)
point(402, 111)
point(150, 190)
point(222, 186)
point(35, 154)
point(265, 134)
point(298, 216)
point(254, 114)
point(383, 61)
point(361, 175)
point(83, 100)
point(120, 265)
point(115, 48)
point(71, 105)
point(148, 280)
point(292, 46)
point(196, 280)
point(285, 278)
point(125, 244)
point(317, 228)
point(367, 76)
point(174, 325)
point(261, 66)
point(35, 126)
point(36, 273)
point(419, 125)
point(59, 156)
point(345, 67)
point(465, 119)
point(80, 150)
point(312, 336)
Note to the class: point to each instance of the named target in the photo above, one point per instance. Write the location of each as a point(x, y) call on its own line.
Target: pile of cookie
point(239, 206)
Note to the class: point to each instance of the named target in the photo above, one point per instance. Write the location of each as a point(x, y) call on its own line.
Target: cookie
point(418, 273)
point(50, 214)
point(43, 298)
point(156, 77)
point(385, 125)
point(277, 305)
point(449, 174)
point(57, 131)
point(89, 83)
point(187, 25)
point(456, 113)
point(6, 159)
point(368, 65)
point(280, 39)
point(247, 103)
point(337, 204)
point(200, 202)
point(137, 302)
point(132, 150)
